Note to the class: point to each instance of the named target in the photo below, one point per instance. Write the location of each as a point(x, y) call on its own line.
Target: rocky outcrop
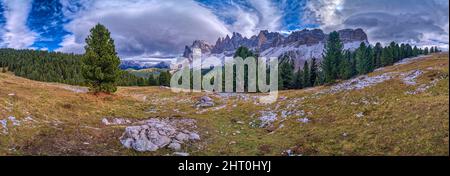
point(204, 102)
point(153, 134)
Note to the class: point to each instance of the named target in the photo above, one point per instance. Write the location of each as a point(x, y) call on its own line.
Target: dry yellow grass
point(394, 123)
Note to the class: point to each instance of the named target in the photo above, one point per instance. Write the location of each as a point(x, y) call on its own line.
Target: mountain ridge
point(300, 45)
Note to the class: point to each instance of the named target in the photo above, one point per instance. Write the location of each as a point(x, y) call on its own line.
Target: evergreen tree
point(415, 52)
point(386, 57)
point(331, 58)
point(298, 82)
point(426, 51)
point(164, 78)
point(100, 62)
point(151, 80)
point(409, 51)
point(141, 82)
point(313, 72)
point(432, 50)
point(377, 55)
point(362, 62)
point(346, 71)
point(306, 75)
point(286, 74)
point(3, 69)
point(244, 53)
point(436, 50)
point(369, 57)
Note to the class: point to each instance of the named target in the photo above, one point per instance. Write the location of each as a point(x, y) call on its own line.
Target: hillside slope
point(397, 110)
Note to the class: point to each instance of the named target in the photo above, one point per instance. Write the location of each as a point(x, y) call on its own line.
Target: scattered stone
point(409, 60)
point(175, 146)
point(423, 87)
point(410, 77)
point(180, 154)
point(152, 110)
point(303, 120)
point(116, 121)
point(14, 121)
point(232, 142)
point(360, 82)
point(12, 94)
point(289, 152)
point(359, 115)
point(4, 125)
point(194, 136)
point(154, 134)
point(240, 122)
point(267, 118)
point(76, 89)
point(204, 102)
point(182, 137)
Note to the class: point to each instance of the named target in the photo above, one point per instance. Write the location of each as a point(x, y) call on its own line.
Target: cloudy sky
point(153, 28)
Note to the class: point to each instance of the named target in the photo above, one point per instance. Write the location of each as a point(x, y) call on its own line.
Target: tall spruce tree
point(331, 58)
point(100, 62)
point(369, 57)
point(346, 71)
point(298, 82)
point(306, 75)
point(425, 51)
point(386, 56)
point(286, 74)
point(313, 71)
point(415, 52)
point(151, 80)
point(164, 78)
point(377, 55)
point(362, 64)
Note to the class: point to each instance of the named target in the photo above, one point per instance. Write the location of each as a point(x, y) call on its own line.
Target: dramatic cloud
point(15, 33)
point(161, 28)
point(263, 15)
point(418, 22)
point(142, 27)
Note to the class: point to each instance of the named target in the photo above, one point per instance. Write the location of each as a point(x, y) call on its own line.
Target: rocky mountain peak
point(204, 46)
point(266, 40)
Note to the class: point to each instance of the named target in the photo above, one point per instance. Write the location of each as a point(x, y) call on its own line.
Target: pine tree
point(415, 52)
point(286, 75)
point(425, 52)
point(361, 59)
point(100, 62)
point(331, 58)
point(152, 80)
point(313, 72)
point(386, 57)
point(306, 75)
point(369, 57)
point(164, 78)
point(436, 50)
point(298, 82)
point(346, 71)
point(377, 55)
point(3, 69)
point(432, 49)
